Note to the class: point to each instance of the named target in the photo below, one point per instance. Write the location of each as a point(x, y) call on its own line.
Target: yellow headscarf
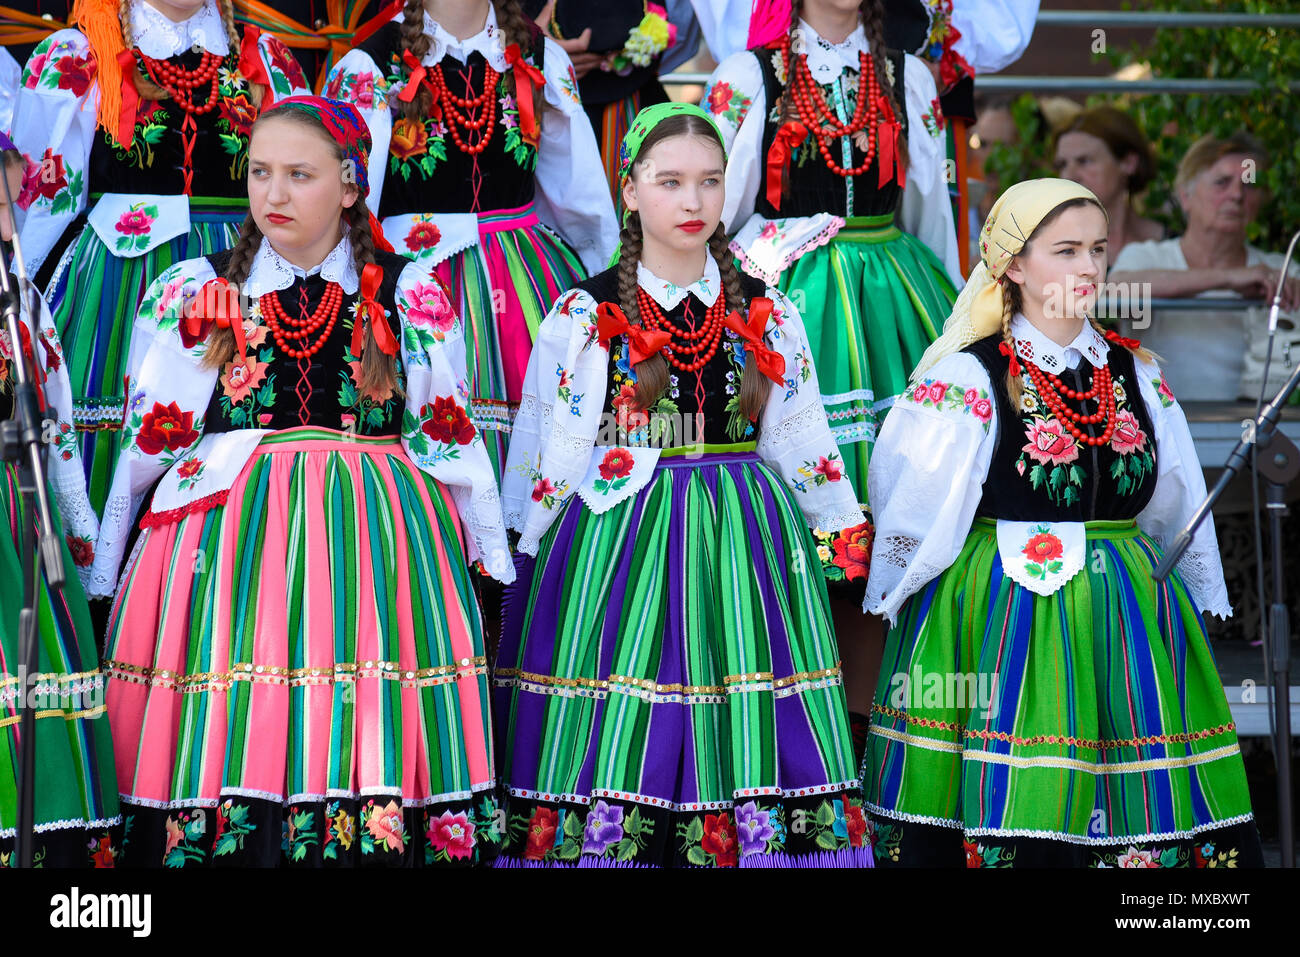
point(978, 310)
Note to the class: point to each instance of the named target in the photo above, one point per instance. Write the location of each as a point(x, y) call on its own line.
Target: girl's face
point(1087, 160)
point(1059, 272)
point(177, 11)
point(676, 187)
point(297, 190)
point(14, 174)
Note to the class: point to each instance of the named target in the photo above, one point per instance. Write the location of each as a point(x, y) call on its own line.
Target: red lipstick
point(694, 226)
point(278, 218)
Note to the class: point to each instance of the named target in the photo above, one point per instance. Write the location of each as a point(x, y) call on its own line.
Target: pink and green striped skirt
point(1084, 728)
point(668, 688)
point(503, 288)
point(297, 675)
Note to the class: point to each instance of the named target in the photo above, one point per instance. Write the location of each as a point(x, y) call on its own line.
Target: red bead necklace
point(285, 327)
point(702, 343)
point(821, 120)
point(1055, 392)
point(181, 84)
point(453, 106)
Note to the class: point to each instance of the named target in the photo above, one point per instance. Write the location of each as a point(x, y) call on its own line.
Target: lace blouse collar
point(160, 38)
point(488, 41)
point(668, 294)
point(1033, 344)
point(271, 272)
point(827, 60)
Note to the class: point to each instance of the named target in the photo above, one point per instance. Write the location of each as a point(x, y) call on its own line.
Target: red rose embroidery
point(189, 468)
point(103, 853)
point(720, 839)
point(408, 140)
point(830, 468)
point(1043, 548)
point(720, 98)
point(1128, 436)
point(75, 74)
point(973, 858)
point(541, 834)
point(543, 488)
point(165, 427)
point(853, 550)
point(447, 422)
point(239, 112)
point(134, 222)
point(616, 464)
point(423, 236)
point(857, 824)
point(81, 549)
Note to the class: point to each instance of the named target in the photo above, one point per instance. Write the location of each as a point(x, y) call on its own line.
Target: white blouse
point(572, 193)
point(553, 447)
point(930, 461)
point(737, 100)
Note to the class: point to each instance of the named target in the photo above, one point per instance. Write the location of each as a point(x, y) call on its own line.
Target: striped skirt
point(93, 296)
point(668, 688)
point(503, 288)
point(1084, 728)
point(76, 812)
point(297, 675)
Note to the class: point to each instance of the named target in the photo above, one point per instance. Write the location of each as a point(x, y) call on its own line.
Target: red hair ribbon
point(889, 157)
point(130, 99)
point(789, 136)
point(251, 66)
point(372, 277)
point(770, 362)
point(377, 233)
point(644, 343)
point(373, 25)
point(418, 77)
point(1119, 340)
point(527, 79)
point(1008, 350)
point(218, 302)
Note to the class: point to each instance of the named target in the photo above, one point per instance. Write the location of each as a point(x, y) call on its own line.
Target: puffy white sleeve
point(55, 112)
point(1180, 489)
point(725, 25)
point(436, 431)
point(559, 417)
point(357, 80)
point(167, 394)
point(11, 72)
point(572, 192)
point(927, 477)
point(795, 439)
point(737, 101)
point(926, 211)
point(994, 33)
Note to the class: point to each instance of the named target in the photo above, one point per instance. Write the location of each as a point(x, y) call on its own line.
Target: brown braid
point(221, 342)
point(227, 8)
point(514, 25)
point(147, 88)
point(378, 371)
point(651, 373)
point(754, 386)
point(417, 41)
point(1010, 306)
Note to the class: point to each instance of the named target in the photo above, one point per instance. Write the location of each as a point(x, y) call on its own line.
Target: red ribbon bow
point(1119, 340)
point(644, 343)
point(770, 362)
point(251, 66)
point(372, 276)
point(1008, 350)
point(788, 137)
point(130, 99)
point(889, 157)
point(218, 302)
point(418, 77)
point(527, 79)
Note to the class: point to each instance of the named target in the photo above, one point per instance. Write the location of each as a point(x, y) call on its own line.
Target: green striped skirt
point(668, 688)
point(297, 675)
point(1083, 728)
point(76, 815)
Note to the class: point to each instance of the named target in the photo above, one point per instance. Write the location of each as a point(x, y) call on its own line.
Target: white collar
point(826, 60)
point(487, 41)
point(1033, 344)
point(160, 38)
point(668, 294)
point(271, 272)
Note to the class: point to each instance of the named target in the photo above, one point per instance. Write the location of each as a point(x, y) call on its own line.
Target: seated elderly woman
point(1216, 355)
point(1104, 150)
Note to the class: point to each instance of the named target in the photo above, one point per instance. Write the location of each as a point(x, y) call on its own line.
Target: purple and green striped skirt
point(668, 688)
point(1088, 727)
point(297, 675)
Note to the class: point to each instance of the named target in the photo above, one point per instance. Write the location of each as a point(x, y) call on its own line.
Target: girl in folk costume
point(77, 822)
point(295, 655)
point(833, 148)
point(1022, 490)
point(668, 685)
point(482, 152)
point(136, 126)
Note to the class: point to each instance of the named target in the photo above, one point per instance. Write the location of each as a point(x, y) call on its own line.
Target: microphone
point(1281, 281)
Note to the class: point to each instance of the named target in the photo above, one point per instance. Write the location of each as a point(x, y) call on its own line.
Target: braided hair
point(652, 372)
point(378, 371)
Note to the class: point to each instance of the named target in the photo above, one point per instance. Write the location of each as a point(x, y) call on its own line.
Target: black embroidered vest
point(811, 187)
point(714, 390)
point(277, 391)
point(427, 172)
point(1040, 472)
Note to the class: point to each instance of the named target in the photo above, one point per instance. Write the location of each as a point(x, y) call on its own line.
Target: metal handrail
point(1162, 18)
point(1084, 84)
point(1199, 304)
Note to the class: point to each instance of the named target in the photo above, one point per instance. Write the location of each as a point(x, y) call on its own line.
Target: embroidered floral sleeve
point(559, 418)
point(53, 127)
point(572, 192)
point(436, 430)
point(736, 100)
point(357, 80)
point(795, 439)
point(282, 68)
point(1180, 488)
point(167, 393)
point(926, 211)
point(926, 479)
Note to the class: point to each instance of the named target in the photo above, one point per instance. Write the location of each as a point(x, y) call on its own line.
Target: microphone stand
point(1278, 460)
point(21, 443)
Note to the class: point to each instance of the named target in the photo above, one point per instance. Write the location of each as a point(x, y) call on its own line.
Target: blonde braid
point(147, 88)
point(227, 8)
point(1014, 385)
